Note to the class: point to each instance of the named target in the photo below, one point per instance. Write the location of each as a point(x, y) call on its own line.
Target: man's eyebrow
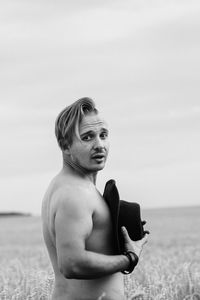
point(87, 132)
point(92, 131)
point(104, 129)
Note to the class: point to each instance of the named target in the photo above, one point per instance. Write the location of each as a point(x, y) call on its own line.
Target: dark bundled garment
point(125, 214)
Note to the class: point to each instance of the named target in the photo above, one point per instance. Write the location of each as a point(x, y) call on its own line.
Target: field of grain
point(169, 268)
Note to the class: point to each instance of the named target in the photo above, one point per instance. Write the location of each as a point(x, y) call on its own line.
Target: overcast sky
point(139, 60)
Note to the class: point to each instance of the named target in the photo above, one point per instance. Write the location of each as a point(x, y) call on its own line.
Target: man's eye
point(104, 135)
point(87, 137)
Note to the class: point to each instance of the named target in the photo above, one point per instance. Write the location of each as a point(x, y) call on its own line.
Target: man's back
point(70, 205)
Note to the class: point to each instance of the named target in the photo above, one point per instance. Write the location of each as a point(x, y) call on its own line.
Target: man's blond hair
point(69, 118)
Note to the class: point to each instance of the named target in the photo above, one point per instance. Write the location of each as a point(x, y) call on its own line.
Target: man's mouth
point(98, 157)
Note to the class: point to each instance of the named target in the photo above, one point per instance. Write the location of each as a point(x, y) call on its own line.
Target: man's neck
point(68, 164)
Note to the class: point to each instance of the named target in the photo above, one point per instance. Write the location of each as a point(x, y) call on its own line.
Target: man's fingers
point(125, 234)
point(146, 232)
point(144, 239)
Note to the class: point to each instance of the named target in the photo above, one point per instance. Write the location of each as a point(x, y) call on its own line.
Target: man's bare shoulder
point(64, 193)
point(74, 195)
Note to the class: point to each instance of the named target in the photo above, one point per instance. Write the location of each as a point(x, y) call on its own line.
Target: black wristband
point(133, 258)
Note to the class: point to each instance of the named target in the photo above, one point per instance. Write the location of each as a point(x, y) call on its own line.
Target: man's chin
point(97, 167)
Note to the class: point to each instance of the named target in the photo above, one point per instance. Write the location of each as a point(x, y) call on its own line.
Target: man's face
point(91, 150)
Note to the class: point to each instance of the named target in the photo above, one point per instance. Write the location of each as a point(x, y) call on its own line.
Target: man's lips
point(98, 156)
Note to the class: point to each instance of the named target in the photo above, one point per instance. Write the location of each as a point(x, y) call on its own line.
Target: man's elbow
point(67, 273)
point(70, 270)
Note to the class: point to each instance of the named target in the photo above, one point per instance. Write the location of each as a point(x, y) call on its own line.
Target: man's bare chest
point(101, 213)
point(101, 238)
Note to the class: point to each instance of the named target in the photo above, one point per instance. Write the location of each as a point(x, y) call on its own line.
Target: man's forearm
point(91, 265)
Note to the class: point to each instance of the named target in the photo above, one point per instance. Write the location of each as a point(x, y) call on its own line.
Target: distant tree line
point(14, 214)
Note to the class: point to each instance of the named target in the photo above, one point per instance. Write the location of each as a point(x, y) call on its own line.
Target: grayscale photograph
point(100, 150)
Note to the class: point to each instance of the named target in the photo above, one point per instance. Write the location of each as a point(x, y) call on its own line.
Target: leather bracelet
point(133, 258)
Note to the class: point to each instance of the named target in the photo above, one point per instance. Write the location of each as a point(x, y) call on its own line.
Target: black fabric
point(123, 213)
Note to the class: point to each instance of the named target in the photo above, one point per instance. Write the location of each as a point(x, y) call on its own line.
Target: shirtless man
point(76, 220)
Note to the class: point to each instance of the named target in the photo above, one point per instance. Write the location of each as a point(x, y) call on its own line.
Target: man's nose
point(99, 144)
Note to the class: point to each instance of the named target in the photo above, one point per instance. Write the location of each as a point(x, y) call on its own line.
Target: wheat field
point(169, 268)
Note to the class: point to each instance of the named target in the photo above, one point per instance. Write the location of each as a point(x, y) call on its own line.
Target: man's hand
point(143, 223)
point(135, 246)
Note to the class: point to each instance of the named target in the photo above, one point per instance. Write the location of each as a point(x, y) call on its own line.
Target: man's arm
point(73, 225)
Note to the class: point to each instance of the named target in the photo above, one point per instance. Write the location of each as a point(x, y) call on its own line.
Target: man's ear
point(66, 148)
